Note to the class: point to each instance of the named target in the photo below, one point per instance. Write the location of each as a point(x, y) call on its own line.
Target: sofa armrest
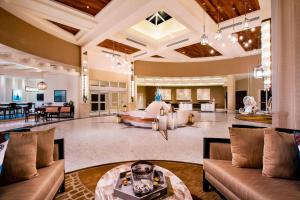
point(59, 151)
point(216, 148)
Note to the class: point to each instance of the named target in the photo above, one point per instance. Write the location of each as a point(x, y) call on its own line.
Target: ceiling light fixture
point(246, 23)
point(204, 37)
point(253, 29)
point(233, 37)
point(241, 37)
point(219, 32)
point(212, 51)
point(42, 85)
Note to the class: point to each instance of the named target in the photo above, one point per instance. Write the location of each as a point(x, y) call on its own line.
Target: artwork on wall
point(183, 94)
point(166, 94)
point(203, 94)
point(60, 95)
point(16, 95)
point(40, 97)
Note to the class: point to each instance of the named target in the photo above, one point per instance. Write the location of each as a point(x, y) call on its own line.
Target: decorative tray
point(125, 191)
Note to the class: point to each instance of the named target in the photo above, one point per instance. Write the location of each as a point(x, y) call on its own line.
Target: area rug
point(81, 184)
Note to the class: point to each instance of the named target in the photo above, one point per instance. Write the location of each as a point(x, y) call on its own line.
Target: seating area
point(26, 110)
point(241, 181)
point(149, 99)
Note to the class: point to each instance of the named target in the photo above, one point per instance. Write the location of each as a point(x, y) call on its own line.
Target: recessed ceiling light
point(241, 37)
point(212, 51)
point(253, 29)
point(87, 6)
point(210, 43)
point(246, 45)
point(250, 41)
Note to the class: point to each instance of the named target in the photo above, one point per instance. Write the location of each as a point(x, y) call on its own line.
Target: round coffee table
point(106, 184)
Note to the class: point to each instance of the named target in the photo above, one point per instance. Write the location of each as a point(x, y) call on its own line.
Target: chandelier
point(42, 85)
point(219, 32)
point(119, 62)
point(246, 23)
point(233, 37)
point(204, 37)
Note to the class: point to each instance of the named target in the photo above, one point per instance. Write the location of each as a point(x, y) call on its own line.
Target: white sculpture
point(250, 106)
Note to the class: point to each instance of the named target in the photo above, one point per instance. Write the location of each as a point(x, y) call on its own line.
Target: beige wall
point(255, 86)
point(216, 92)
point(188, 69)
point(95, 74)
point(20, 35)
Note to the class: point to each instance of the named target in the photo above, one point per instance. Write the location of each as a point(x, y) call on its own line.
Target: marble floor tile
point(101, 140)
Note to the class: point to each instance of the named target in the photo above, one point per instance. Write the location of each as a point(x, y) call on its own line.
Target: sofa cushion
point(247, 147)
point(4, 138)
point(20, 158)
point(45, 147)
point(280, 155)
point(43, 186)
point(249, 184)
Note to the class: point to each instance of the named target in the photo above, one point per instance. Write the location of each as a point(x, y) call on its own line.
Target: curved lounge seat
point(138, 118)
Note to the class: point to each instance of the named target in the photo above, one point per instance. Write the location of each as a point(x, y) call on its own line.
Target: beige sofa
point(45, 186)
point(241, 183)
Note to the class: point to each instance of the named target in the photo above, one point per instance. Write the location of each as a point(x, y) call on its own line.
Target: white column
point(230, 93)
point(286, 63)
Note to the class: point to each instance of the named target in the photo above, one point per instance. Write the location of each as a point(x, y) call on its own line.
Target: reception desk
point(208, 107)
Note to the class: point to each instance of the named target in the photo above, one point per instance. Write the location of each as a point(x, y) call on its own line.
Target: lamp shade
point(42, 85)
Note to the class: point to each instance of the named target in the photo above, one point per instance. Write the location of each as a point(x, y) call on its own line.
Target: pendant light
point(246, 23)
point(219, 32)
point(233, 37)
point(204, 37)
point(42, 85)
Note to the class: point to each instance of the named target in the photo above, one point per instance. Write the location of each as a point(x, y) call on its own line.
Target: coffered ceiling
point(222, 10)
point(197, 51)
point(94, 24)
point(250, 39)
point(69, 29)
point(116, 46)
point(91, 7)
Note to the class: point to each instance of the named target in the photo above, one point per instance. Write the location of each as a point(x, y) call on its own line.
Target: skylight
point(158, 17)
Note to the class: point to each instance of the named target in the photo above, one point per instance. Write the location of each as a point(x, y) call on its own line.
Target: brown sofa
point(45, 186)
point(241, 183)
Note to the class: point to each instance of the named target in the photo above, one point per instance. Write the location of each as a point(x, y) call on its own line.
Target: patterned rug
point(81, 184)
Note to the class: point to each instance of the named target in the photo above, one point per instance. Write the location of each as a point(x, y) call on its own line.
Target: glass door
point(103, 109)
point(95, 100)
point(99, 103)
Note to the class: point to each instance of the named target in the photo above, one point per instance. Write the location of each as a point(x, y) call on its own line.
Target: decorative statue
point(158, 96)
point(250, 106)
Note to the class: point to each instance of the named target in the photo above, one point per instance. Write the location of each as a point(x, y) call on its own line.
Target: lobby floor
point(101, 140)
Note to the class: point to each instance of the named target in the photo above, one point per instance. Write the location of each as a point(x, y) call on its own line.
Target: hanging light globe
point(234, 38)
point(42, 85)
point(218, 36)
point(246, 24)
point(204, 39)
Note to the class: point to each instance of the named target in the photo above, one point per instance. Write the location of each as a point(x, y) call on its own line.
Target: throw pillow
point(247, 147)
point(20, 158)
point(4, 138)
point(45, 147)
point(280, 155)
